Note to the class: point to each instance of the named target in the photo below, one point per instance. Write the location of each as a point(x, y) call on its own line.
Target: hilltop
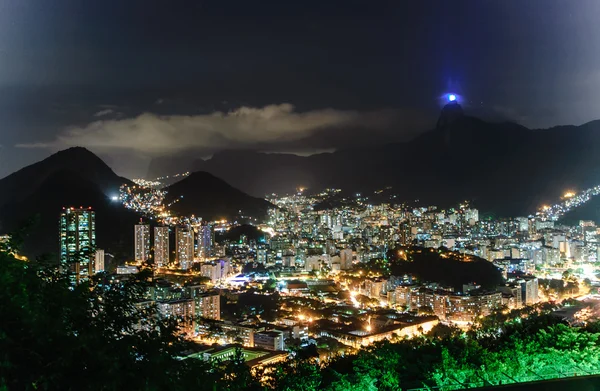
point(204, 195)
point(505, 168)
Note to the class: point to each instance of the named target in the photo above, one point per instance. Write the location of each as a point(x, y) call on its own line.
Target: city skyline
point(280, 196)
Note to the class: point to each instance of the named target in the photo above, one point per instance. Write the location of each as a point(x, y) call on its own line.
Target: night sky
point(132, 79)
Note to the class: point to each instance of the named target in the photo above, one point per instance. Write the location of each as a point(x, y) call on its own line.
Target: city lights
point(300, 196)
point(351, 273)
point(147, 200)
point(571, 200)
point(343, 267)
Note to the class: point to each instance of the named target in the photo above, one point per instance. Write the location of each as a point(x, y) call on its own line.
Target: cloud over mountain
point(244, 127)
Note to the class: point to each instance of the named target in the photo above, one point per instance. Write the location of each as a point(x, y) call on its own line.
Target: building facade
point(205, 240)
point(269, 340)
point(161, 246)
point(458, 308)
point(185, 247)
point(142, 242)
point(77, 243)
point(212, 271)
point(208, 305)
point(346, 259)
point(99, 261)
point(181, 309)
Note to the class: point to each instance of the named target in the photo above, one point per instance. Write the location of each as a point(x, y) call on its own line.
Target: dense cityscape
point(323, 278)
point(299, 196)
point(341, 273)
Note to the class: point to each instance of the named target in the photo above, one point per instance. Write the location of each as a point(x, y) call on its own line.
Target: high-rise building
point(142, 242)
point(77, 243)
point(161, 246)
point(212, 271)
point(99, 261)
point(225, 266)
point(312, 263)
point(471, 216)
point(529, 290)
point(208, 305)
point(261, 254)
point(205, 240)
point(184, 247)
point(404, 295)
point(454, 307)
point(346, 259)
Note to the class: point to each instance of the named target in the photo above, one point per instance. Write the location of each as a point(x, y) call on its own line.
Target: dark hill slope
point(504, 168)
point(42, 208)
point(79, 161)
point(211, 198)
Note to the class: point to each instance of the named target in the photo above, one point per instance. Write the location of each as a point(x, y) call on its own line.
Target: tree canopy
point(445, 267)
point(96, 336)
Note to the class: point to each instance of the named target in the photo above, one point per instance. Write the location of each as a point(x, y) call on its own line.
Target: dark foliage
point(257, 304)
point(447, 268)
point(234, 234)
point(94, 337)
point(589, 211)
point(90, 338)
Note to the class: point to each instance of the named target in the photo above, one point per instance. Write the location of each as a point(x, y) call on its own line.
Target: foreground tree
point(99, 336)
point(92, 337)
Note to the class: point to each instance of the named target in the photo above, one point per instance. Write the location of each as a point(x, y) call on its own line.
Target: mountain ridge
point(23, 182)
point(76, 177)
point(223, 201)
point(43, 207)
point(505, 168)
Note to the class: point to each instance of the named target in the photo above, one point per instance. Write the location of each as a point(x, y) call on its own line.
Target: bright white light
point(354, 300)
point(114, 198)
point(451, 97)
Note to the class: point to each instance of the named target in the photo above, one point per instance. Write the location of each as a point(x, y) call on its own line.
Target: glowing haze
point(153, 76)
point(153, 134)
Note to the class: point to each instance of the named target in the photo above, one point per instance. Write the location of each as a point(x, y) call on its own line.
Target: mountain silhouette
point(39, 212)
point(34, 197)
point(78, 160)
point(588, 211)
point(204, 195)
point(504, 168)
point(450, 113)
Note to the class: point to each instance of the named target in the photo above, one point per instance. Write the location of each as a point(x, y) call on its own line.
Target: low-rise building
point(457, 307)
point(360, 338)
point(254, 357)
point(269, 340)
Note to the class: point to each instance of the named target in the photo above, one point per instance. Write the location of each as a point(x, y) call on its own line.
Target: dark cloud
point(269, 127)
point(103, 73)
point(104, 112)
